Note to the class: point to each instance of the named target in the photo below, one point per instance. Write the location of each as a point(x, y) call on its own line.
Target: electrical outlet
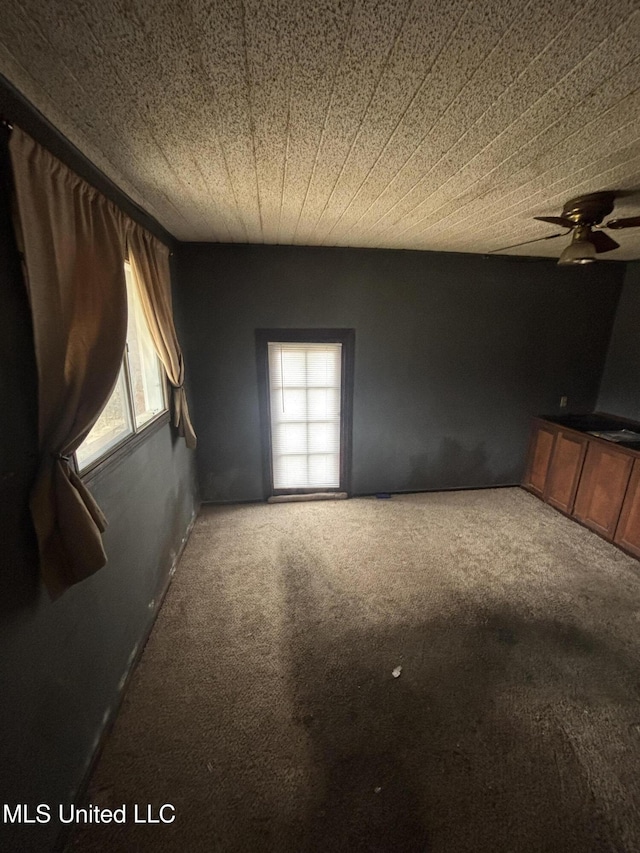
point(563, 402)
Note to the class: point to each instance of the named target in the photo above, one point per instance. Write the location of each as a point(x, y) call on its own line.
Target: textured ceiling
point(422, 124)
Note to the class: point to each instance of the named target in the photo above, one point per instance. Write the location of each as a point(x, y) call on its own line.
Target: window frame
point(347, 338)
point(128, 443)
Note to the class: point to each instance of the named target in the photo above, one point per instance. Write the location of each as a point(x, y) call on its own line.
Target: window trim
point(124, 448)
point(346, 337)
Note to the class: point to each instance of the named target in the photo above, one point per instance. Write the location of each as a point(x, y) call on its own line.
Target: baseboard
point(441, 489)
point(313, 496)
point(247, 501)
point(64, 836)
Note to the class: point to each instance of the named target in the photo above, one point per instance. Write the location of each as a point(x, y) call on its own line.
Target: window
point(306, 408)
point(139, 395)
point(304, 385)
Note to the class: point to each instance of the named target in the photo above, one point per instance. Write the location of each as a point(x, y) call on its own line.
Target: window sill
point(125, 448)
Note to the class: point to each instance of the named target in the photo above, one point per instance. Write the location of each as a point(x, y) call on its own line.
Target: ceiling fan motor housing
point(582, 217)
point(589, 209)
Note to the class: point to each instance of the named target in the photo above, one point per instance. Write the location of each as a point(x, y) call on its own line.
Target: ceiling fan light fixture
point(580, 250)
point(582, 217)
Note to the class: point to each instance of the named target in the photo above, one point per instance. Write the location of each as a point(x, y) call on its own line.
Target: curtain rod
point(36, 125)
point(6, 123)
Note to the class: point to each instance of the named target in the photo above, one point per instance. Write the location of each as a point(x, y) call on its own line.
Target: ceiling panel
point(423, 124)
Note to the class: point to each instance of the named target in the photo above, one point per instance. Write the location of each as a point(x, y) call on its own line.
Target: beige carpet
point(265, 709)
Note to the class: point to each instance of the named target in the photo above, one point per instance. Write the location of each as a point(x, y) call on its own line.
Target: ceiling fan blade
point(602, 242)
point(526, 242)
point(629, 222)
point(556, 220)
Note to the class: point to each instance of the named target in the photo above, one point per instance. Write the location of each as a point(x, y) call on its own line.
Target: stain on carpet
point(265, 707)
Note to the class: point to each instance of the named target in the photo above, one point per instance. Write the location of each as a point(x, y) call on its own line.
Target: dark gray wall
point(620, 388)
point(62, 663)
point(454, 354)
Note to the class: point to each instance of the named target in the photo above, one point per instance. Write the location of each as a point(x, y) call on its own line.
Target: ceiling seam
point(149, 131)
point(286, 152)
point(326, 116)
point(136, 190)
point(428, 133)
point(563, 194)
point(252, 128)
point(556, 145)
point(540, 174)
point(504, 130)
point(508, 118)
point(206, 76)
point(442, 157)
point(573, 188)
point(217, 204)
point(365, 113)
point(398, 123)
point(424, 230)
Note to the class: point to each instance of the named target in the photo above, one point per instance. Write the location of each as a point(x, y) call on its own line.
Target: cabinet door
point(602, 488)
point(540, 450)
point(564, 471)
point(628, 529)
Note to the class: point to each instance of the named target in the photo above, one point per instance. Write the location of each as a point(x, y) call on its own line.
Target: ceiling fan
point(582, 216)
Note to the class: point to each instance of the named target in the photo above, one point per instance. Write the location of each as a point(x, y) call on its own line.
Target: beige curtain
point(149, 259)
point(74, 247)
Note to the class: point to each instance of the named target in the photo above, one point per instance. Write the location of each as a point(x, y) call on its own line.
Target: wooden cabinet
point(540, 450)
point(628, 530)
point(602, 488)
point(595, 481)
point(564, 470)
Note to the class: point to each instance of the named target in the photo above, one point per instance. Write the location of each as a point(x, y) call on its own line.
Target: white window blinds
point(305, 392)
